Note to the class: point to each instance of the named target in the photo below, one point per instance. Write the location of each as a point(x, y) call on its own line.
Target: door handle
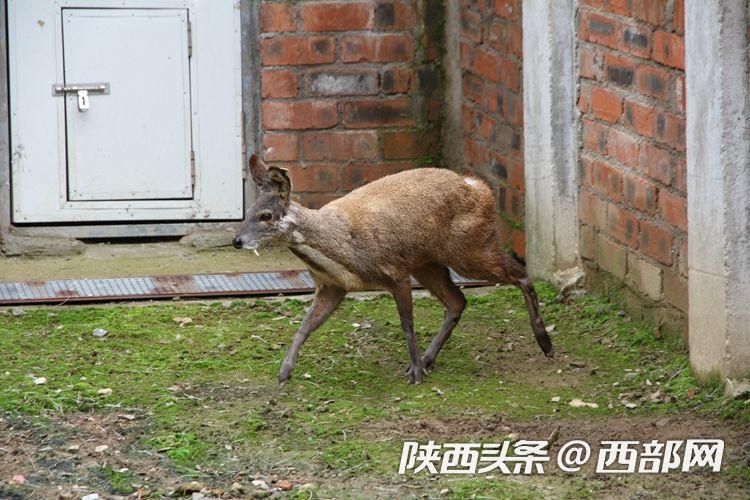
point(75, 88)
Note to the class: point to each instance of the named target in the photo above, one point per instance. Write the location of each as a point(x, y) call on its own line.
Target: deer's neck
point(321, 241)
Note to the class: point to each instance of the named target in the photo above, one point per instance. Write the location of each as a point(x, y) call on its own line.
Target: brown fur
point(418, 222)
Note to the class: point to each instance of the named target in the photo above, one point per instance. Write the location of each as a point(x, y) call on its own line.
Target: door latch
point(83, 100)
point(82, 90)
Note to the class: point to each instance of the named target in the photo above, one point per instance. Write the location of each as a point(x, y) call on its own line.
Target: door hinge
point(190, 38)
point(192, 168)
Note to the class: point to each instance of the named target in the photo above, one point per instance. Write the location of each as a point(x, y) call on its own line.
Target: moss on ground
point(207, 386)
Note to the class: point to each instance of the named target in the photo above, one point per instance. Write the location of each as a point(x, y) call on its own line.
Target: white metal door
point(164, 142)
point(134, 141)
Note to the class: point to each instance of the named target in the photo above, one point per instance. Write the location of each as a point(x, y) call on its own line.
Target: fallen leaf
point(40, 380)
point(105, 391)
point(182, 320)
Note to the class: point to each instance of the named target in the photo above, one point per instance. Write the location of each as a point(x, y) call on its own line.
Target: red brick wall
point(492, 105)
point(632, 99)
point(350, 91)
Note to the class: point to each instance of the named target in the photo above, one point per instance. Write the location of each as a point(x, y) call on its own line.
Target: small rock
point(630, 376)
point(555, 399)
point(444, 492)
point(438, 392)
point(100, 333)
point(17, 312)
point(284, 485)
point(577, 403)
point(629, 405)
point(101, 448)
point(306, 375)
point(105, 391)
point(308, 488)
point(237, 488)
point(127, 416)
point(17, 480)
point(182, 320)
point(259, 483)
point(73, 447)
point(190, 487)
point(40, 380)
point(92, 496)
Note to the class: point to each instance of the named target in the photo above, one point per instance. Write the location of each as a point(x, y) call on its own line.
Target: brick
point(645, 277)
point(276, 84)
point(356, 175)
point(611, 256)
point(676, 291)
point(299, 115)
point(376, 48)
point(378, 113)
point(590, 66)
point(640, 193)
point(396, 80)
point(333, 82)
point(334, 16)
point(281, 147)
point(653, 82)
point(622, 225)
point(606, 179)
point(652, 11)
point(297, 50)
point(621, 7)
point(671, 130)
point(315, 178)
point(655, 242)
point(594, 136)
point(277, 17)
point(635, 39)
point(641, 119)
point(680, 182)
point(601, 30)
point(471, 25)
point(619, 70)
point(316, 200)
point(475, 153)
point(669, 49)
point(473, 88)
point(486, 65)
point(606, 104)
point(518, 242)
point(507, 9)
point(591, 210)
point(678, 16)
point(340, 145)
point(506, 38)
point(394, 15)
point(406, 144)
point(586, 242)
point(673, 209)
point(623, 147)
point(655, 162)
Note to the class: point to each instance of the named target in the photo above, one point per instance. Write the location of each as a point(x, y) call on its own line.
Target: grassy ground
point(187, 392)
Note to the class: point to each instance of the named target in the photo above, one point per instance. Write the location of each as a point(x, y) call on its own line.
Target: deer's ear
point(281, 184)
point(258, 170)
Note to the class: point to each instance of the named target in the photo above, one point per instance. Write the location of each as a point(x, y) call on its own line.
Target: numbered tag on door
point(83, 100)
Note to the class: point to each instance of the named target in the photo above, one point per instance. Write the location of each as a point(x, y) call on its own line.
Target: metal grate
point(164, 287)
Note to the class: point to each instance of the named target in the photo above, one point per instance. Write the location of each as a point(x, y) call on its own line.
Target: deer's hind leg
point(437, 280)
point(497, 266)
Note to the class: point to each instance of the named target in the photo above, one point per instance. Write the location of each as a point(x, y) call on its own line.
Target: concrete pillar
point(718, 182)
point(550, 136)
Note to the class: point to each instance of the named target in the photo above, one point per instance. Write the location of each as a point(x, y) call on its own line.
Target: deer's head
point(265, 220)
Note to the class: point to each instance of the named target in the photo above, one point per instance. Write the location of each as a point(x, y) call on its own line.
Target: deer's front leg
point(327, 299)
point(402, 293)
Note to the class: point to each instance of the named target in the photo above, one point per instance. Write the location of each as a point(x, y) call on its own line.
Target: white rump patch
point(472, 182)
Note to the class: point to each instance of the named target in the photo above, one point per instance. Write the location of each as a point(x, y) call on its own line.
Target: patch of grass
point(120, 482)
point(208, 388)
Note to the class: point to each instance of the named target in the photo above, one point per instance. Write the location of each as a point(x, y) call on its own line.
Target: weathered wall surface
point(350, 91)
point(632, 200)
point(491, 50)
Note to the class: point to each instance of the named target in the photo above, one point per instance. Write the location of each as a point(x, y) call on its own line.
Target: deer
point(419, 222)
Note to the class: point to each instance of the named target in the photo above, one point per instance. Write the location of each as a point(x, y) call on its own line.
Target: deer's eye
point(265, 216)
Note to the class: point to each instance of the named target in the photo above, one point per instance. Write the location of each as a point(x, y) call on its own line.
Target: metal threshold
point(168, 287)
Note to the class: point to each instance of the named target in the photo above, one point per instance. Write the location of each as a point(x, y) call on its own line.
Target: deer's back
point(416, 216)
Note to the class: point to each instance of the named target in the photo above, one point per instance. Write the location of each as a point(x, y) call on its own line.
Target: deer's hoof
point(284, 375)
point(428, 363)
